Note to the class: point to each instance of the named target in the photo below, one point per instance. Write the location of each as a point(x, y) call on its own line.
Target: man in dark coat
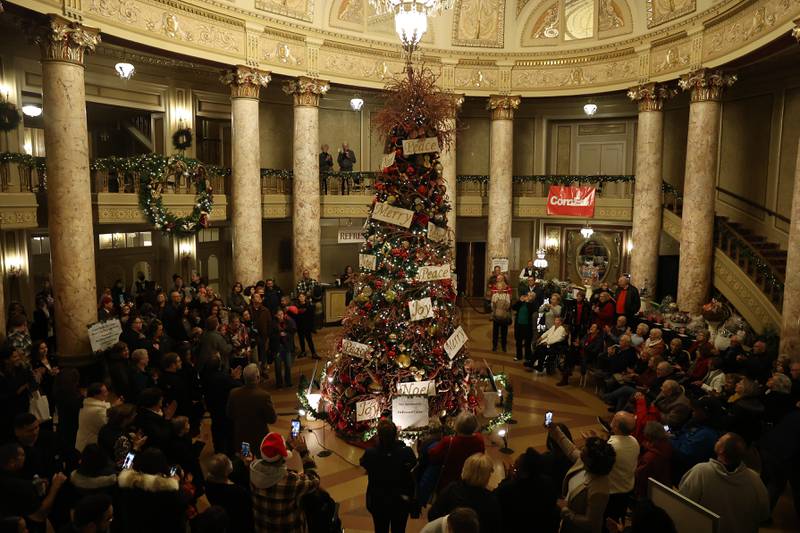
point(218, 385)
point(627, 300)
point(153, 421)
point(250, 409)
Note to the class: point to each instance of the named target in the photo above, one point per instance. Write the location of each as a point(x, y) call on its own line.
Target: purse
point(39, 406)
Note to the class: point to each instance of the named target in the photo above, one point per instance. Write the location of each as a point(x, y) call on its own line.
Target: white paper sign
point(410, 411)
point(104, 335)
point(435, 233)
point(489, 404)
point(417, 388)
point(420, 309)
point(356, 349)
point(433, 273)
point(393, 215)
point(367, 410)
point(420, 146)
point(454, 343)
point(387, 160)
point(350, 236)
point(502, 262)
point(366, 261)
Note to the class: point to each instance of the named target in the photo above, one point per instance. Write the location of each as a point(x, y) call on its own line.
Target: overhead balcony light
point(125, 70)
point(32, 110)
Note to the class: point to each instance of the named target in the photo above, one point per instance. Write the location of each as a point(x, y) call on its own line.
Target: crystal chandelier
point(540, 262)
point(356, 103)
point(587, 231)
point(124, 70)
point(590, 109)
point(411, 17)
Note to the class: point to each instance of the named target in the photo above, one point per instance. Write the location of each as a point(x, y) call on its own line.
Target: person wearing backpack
point(390, 486)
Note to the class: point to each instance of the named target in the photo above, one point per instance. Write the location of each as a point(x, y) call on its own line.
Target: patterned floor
point(533, 395)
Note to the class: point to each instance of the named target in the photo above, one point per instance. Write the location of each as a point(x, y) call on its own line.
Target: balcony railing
point(22, 173)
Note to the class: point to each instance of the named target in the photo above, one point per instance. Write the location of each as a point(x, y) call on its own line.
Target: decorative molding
point(796, 31)
point(706, 85)
point(306, 91)
point(64, 40)
point(661, 11)
point(298, 9)
point(503, 106)
point(651, 96)
point(245, 82)
point(745, 295)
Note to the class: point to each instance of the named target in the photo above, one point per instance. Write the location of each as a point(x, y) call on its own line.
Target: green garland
point(182, 139)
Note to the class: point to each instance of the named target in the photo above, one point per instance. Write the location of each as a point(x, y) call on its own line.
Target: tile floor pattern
point(533, 395)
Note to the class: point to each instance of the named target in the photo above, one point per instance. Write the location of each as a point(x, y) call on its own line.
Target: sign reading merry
point(454, 343)
point(393, 215)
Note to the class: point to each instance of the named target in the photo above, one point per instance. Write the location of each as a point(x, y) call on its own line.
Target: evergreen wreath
point(9, 116)
point(182, 138)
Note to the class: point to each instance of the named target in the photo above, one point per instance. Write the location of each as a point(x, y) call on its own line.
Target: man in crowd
point(307, 285)
point(272, 296)
point(250, 408)
point(623, 475)
point(92, 415)
point(211, 342)
point(676, 355)
point(627, 299)
point(346, 159)
point(725, 486)
point(325, 166)
point(92, 514)
point(19, 338)
point(19, 496)
point(555, 336)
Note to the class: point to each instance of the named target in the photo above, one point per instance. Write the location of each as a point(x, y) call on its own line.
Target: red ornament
point(378, 284)
point(410, 170)
point(422, 189)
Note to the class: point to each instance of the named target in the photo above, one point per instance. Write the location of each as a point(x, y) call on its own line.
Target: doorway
point(471, 268)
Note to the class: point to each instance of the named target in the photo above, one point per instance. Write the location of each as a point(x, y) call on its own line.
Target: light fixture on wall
point(356, 103)
point(14, 266)
point(629, 246)
point(540, 262)
point(125, 70)
point(587, 231)
point(590, 109)
point(5, 92)
point(186, 250)
point(32, 110)
point(551, 245)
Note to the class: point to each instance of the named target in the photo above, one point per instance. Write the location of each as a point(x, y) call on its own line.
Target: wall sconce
point(14, 267)
point(5, 92)
point(551, 245)
point(183, 115)
point(186, 250)
point(629, 246)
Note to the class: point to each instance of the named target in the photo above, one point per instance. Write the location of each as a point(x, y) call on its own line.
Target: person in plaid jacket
point(277, 490)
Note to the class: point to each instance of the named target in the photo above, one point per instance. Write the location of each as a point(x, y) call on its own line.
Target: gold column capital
point(306, 91)
point(62, 39)
point(245, 82)
point(796, 30)
point(502, 106)
point(651, 96)
point(706, 85)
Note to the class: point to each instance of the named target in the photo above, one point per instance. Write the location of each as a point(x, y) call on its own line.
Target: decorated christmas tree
point(402, 348)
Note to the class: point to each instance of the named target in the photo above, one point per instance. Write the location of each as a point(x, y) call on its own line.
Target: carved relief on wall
point(566, 77)
point(337, 62)
point(479, 23)
point(661, 11)
point(747, 25)
point(475, 78)
point(675, 56)
point(299, 9)
point(348, 14)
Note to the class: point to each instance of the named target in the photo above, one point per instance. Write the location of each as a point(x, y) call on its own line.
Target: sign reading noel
point(570, 201)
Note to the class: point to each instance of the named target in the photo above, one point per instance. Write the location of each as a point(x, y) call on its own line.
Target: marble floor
point(533, 396)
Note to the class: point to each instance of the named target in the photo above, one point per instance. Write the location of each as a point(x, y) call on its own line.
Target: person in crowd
point(550, 310)
point(604, 311)
point(262, 322)
point(325, 166)
point(756, 365)
point(641, 335)
point(96, 473)
point(551, 340)
point(92, 514)
point(613, 333)
point(702, 360)
point(673, 405)
point(133, 335)
point(93, 415)
point(459, 520)
point(217, 386)
point(725, 486)
point(45, 369)
point(16, 384)
point(525, 492)
point(452, 451)
point(780, 452)
point(627, 299)
point(676, 355)
point(43, 326)
point(173, 315)
point(141, 376)
point(45, 454)
point(118, 437)
point(586, 351)
point(236, 301)
point(213, 342)
point(276, 490)
point(108, 309)
point(654, 459)
point(527, 272)
point(470, 491)
point(586, 485)
point(250, 408)
point(579, 315)
point(281, 342)
point(346, 158)
point(390, 484)
point(174, 386)
point(150, 498)
point(694, 442)
point(234, 498)
point(524, 321)
point(304, 320)
point(18, 336)
point(501, 312)
point(152, 419)
point(653, 345)
point(348, 281)
point(622, 477)
point(68, 401)
point(714, 380)
point(777, 398)
point(308, 286)
point(427, 474)
point(272, 296)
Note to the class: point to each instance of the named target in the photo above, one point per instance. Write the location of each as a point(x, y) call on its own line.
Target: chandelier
point(356, 103)
point(124, 70)
point(587, 231)
point(411, 17)
point(540, 262)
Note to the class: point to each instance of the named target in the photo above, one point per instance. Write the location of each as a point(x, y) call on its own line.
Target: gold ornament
point(406, 245)
point(392, 337)
point(391, 199)
point(390, 296)
point(367, 291)
point(403, 360)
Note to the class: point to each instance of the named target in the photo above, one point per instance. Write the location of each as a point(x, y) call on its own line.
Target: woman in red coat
point(452, 452)
point(604, 312)
point(654, 459)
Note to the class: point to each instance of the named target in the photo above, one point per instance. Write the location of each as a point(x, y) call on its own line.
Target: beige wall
point(276, 132)
point(337, 126)
point(278, 252)
point(790, 134)
point(676, 124)
point(473, 145)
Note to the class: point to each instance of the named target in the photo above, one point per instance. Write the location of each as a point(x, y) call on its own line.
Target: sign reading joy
point(393, 215)
point(454, 343)
point(433, 273)
point(356, 349)
point(367, 410)
point(420, 309)
point(420, 146)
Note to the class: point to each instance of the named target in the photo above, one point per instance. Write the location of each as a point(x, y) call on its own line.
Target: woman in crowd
point(118, 437)
point(68, 400)
point(42, 327)
point(304, 319)
point(654, 460)
point(348, 281)
point(45, 369)
point(16, 384)
point(527, 492)
point(452, 451)
point(551, 310)
point(233, 497)
point(585, 487)
point(470, 491)
point(281, 343)
point(236, 300)
point(390, 485)
point(501, 311)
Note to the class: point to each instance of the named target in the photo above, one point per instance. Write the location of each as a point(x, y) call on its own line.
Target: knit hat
point(273, 448)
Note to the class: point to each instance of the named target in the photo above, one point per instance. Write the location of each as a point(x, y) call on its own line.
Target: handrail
point(754, 205)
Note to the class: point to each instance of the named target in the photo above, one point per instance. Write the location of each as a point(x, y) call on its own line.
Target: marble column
point(790, 327)
point(449, 171)
point(246, 220)
point(501, 165)
point(647, 193)
point(697, 228)
point(69, 197)
point(305, 192)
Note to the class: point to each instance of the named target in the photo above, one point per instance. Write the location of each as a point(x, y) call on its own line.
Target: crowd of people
point(175, 420)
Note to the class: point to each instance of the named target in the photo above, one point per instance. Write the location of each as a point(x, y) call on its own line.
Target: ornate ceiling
point(530, 47)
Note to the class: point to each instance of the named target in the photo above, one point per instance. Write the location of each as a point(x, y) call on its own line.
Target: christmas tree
point(401, 334)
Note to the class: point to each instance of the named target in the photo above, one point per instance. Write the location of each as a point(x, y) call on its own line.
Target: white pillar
point(501, 165)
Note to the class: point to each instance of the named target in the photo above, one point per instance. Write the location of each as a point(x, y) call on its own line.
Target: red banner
point(567, 201)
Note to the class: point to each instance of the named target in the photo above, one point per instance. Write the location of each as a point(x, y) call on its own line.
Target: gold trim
point(306, 91)
point(706, 85)
point(651, 96)
point(64, 40)
point(245, 82)
point(502, 106)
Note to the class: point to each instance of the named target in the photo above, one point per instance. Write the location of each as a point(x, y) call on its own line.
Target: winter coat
point(250, 411)
point(91, 418)
point(389, 476)
point(452, 453)
point(654, 462)
point(150, 503)
point(739, 497)
point(675, 410)
point(479, 499)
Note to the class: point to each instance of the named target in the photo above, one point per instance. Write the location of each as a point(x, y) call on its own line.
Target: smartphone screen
point(666, 428)
point(128, 462)
point(548, 418)
point(173, 471)
point(295, 427)
point(245, 449)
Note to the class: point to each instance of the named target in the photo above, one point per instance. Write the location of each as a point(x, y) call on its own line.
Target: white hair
point(251, 374)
